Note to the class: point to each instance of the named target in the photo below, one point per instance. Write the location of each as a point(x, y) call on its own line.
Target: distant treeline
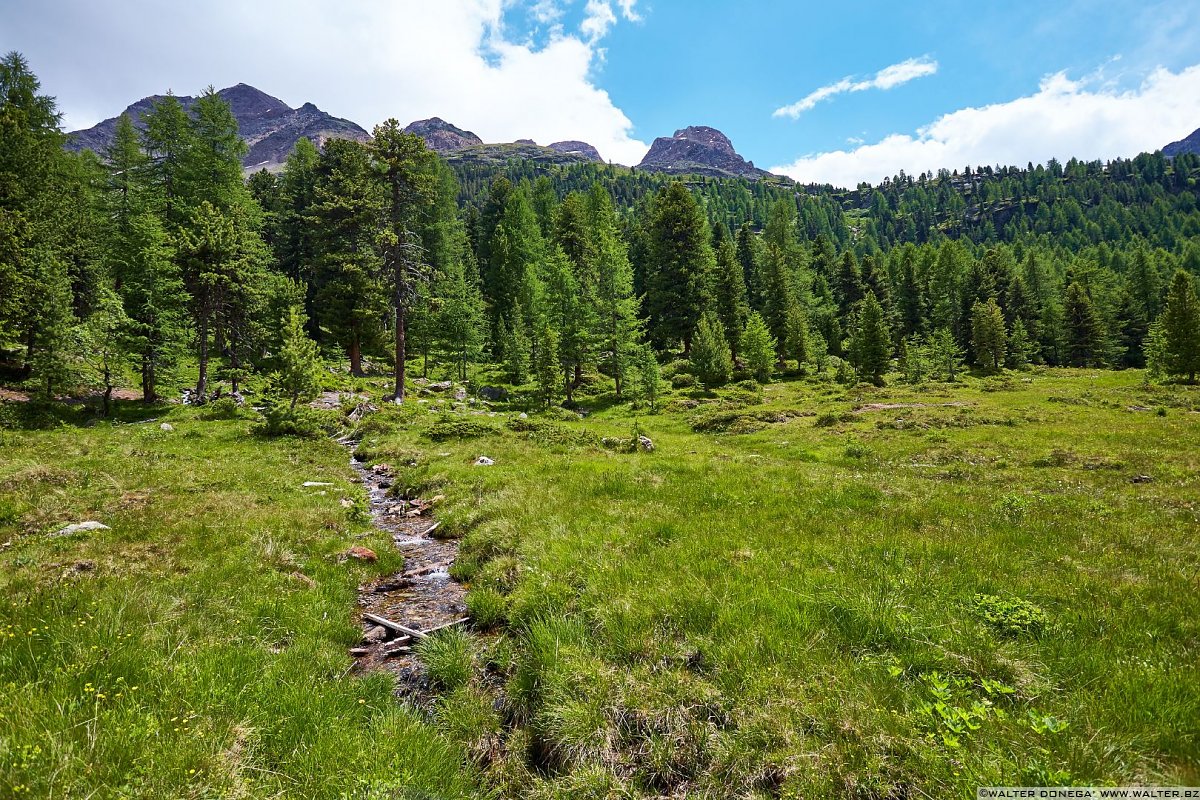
point(158, 246)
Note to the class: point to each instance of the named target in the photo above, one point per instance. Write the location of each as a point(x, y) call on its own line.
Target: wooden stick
point(447, 625)
point(429, 531)
point(395, 626)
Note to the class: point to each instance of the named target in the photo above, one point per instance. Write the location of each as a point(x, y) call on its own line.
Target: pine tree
point(872, 344)
point(1181, 329)
point(407, 174)
point(296, 239)
point(945, 354)
point(780, 266)
point(546, 366)
point(299, 376)
point(573, 319)
point(153, 295)
point(648, 378)
point(1020, 346)
point(729, 290)
point(102, 344)
point(617, 324)
point(349, 298)
point(796, 325)
point(514, 348)
point(758, 348)
point(459, 322)
point(989, 339)
point(1084, 332)
point(681, 264)
point(710, 357)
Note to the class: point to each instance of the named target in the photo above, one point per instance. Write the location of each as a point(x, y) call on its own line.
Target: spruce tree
point(1020, 346)
point(571, 316)
point(648, 378)
point(710, 357)
point(729, 289)
point(103, 344)
point(1181, 329)
point(153, 295)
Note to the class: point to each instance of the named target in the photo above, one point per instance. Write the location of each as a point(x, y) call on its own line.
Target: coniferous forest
point(383, 475)
point(159, 253)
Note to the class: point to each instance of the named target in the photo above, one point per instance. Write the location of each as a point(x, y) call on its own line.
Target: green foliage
point(1012, 617)
point(758, 348)
point(648, 377)
point(298, 379)
point(458, 428)
point(871, 345)
point(1180, 329)
point(989, 339)
point(711, 359)
point(546, 365)
point(448, 657)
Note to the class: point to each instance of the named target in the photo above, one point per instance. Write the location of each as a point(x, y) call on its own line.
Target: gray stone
point(81, 527)
point(484, 461)
point(493, 393)
point(166, 426)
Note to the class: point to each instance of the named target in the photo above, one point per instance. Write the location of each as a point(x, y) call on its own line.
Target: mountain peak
point(700, 150)
point(268, 125)
point(441, 136)
point(575, 147)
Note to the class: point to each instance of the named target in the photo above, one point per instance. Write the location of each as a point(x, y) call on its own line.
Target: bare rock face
point(1190, 144)
point(577, 148)
point(698, 150)
point(269, 126)
point(441, 136)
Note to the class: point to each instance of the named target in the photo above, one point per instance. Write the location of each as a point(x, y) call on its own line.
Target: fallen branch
point(395, 626)
point(445, 625)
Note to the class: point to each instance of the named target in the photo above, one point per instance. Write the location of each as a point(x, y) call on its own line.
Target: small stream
point(422, 596)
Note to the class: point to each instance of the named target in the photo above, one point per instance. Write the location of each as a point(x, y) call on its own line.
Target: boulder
point(440, 386)
point(375, 634)
point(493, 393)
point(166, 426)
point(645, 443)
point(362, 554)
point(81, 527)
point(484, 461)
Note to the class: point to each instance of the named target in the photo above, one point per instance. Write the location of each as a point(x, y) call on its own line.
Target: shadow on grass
point(42, 414)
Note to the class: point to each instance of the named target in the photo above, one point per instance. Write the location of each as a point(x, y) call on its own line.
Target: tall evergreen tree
point(681, 264)
point(758, 348)
point(872, 343)
point(1181, 329)
point(617, 324)
point(989, 339)
point(729, 290)
point(710, 354)
point(1084, 332)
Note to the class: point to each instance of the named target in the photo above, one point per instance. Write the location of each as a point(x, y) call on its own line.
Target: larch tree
point(680, 268)
point(617, 323)
point(989, 339)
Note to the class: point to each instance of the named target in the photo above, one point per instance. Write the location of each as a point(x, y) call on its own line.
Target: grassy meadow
point(804, 590)
point(813, 591)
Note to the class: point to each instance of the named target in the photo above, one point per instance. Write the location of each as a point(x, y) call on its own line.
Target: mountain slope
point(441, 136)
point(1189, 144)
point(698, 150)
point(268, 125)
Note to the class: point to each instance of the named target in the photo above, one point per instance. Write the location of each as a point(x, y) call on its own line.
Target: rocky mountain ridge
point(1188, 144)
point(269, 126)
point(698, 150)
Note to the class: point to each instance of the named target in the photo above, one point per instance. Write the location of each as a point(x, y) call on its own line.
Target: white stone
point(80, 527)
point(484, 461)
point(166, 426)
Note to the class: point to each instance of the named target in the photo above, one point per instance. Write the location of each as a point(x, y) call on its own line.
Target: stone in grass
point(375, 634)
point(1141, 479)
point(166, 426)
point(484, 461)
point(362, 554)
point(308, 484)
point(81, 527)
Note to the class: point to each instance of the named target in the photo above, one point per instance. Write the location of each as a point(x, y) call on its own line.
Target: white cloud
point(598, 17)
point(887, 78)
point(1063, 119)
point(365, 61)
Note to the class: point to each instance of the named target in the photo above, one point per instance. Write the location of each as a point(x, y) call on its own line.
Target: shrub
point(223, 408)
point(308, 423)
point(487, 608)
point(1011, 617)
point(684, 381)
point(450, 428)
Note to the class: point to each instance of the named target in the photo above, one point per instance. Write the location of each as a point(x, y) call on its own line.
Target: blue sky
point(892, 86)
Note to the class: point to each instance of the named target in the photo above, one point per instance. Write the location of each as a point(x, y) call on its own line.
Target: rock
point(166, 426)
point(493, 393)
point(645, 443)
point(346, 502)
point(440, 386)
point(460, 393)
point(360, 411)
point(574, 147)
point(300, 577)
point(375, 634)
point(359, 651)
point(437, 498)
point(269, 126)
point(362, 554)
point(522, 415)
point(698, 150)
point(484, 461)
point(441, 136)
point(80, 527)
point(381, 469)
point(307, 484)
point(1141, 479)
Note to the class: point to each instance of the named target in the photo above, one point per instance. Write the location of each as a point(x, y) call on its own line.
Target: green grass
point(198, 648)
point(804, 591)
point(808, 596)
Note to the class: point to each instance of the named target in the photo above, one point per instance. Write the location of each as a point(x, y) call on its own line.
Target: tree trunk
point(148, 395)
point(108, 390)
point(578, 377)
point(401, 320)
point(202, 379)
point(356, 357)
